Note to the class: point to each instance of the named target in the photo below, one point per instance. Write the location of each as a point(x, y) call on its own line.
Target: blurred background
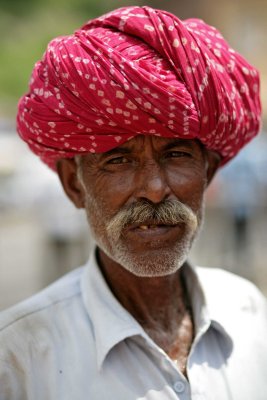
point(42, 236)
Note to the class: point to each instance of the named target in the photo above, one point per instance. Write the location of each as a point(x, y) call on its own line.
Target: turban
point(138, 70)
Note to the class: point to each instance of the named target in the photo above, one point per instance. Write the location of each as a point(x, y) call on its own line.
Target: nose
point(151, 183)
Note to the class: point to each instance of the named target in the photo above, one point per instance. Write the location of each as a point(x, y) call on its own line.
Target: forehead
point(142, 142)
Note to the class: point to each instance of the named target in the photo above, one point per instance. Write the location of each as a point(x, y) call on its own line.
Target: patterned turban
point(133, 71)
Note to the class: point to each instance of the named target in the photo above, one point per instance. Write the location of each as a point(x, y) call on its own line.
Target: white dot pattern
point(133, 71)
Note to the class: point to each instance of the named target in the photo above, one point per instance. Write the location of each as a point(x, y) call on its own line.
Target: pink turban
point(137, 71)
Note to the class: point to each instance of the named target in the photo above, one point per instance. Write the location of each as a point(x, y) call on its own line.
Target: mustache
point(168, 212)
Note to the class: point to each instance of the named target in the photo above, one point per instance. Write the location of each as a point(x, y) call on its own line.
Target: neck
point(159, 304)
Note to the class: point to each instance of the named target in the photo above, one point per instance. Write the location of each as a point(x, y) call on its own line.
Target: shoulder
point(42, 304)
point(37, 338)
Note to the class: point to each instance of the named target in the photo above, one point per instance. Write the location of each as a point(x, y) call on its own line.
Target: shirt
point(75, 341)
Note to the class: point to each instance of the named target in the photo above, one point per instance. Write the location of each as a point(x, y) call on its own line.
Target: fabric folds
point(134, 71)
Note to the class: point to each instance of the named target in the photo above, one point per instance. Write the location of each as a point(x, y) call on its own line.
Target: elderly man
point(136, 111)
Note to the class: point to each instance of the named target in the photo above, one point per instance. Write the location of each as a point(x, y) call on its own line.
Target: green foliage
point(25, 29)
point(18, 7)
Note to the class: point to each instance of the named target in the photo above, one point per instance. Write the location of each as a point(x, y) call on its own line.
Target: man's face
point(144, 201)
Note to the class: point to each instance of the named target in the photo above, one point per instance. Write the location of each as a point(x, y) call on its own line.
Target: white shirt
point(74, 341)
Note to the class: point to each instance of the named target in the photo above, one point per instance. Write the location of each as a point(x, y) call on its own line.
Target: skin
point(153, 169)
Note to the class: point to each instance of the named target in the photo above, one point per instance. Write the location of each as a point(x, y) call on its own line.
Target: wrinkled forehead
point(157, 143)
point(154, 145)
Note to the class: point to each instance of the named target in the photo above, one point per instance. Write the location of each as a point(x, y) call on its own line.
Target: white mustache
point(168, 212)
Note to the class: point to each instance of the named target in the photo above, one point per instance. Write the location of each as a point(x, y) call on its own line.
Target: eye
point(118, 160)
point(178, 154)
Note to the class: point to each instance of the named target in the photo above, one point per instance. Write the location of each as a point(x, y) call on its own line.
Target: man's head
point(145, 107)
point(143, 199)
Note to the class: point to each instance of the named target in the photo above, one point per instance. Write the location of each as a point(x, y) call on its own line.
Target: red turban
point(137, 71)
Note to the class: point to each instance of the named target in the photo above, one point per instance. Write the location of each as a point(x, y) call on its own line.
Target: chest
point(134, 370)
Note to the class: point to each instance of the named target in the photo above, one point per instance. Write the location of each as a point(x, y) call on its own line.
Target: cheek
point(188, 186)
point(108, 194)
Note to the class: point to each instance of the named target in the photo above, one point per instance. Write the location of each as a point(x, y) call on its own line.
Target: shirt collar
point(218, 287)
point(208, 306)
point(112, 323)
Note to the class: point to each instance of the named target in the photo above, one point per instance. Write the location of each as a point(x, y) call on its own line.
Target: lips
point(149, 224)
point(152, 231)
point(153, 226)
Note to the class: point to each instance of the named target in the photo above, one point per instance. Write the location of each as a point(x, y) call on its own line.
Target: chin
point(152, 263)
point(156, 259)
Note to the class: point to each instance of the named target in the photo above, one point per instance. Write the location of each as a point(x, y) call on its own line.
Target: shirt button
point(179, 387)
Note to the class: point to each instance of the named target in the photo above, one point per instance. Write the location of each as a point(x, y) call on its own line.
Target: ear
point(68, 175)
point(213, 161)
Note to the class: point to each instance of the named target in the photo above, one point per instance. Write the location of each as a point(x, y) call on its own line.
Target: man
point(136, 111)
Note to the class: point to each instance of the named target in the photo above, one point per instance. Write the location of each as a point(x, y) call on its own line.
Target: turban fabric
point(134, 71)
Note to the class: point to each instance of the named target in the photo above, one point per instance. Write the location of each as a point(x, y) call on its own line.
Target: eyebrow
point(179, 142)
point(116, 150)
